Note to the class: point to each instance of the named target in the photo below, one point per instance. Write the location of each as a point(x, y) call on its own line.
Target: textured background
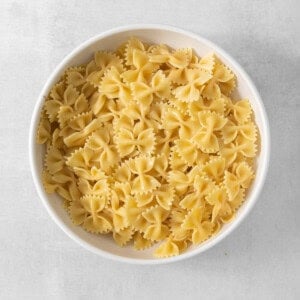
point(261, 259)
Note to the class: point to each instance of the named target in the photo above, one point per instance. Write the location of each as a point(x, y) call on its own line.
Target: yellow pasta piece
point(142, 68)
point(123, 236)
point(156, 231)
point(205, 137)
point(159, 86)
point(54, 160)
point(191, 91)
point(127, 142)
point(167, 249)
point(200, 229)
point(215, 168)
point(142, 182)
point(219, 200)
point(43, 131)
point(217, 106)
point(241, 111)
point(113, 87)
point(102, 62)
point(75, 76)
point(241, 145)
point(141, 243)
point(222, 81)
point(132, 45)
point(231, 130)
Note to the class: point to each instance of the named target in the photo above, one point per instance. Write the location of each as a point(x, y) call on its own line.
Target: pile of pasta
point(145, 143)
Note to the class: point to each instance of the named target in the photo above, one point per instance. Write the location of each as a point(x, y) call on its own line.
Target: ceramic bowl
point(177, 38)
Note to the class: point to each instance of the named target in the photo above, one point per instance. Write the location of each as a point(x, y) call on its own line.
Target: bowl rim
point(265, 156)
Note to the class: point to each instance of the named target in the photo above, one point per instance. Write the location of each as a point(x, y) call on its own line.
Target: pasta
point(146, 144)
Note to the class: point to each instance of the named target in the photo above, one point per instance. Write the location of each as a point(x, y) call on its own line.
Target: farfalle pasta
point(146, 144)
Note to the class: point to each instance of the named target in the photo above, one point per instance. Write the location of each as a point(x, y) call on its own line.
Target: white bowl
point(104, 245)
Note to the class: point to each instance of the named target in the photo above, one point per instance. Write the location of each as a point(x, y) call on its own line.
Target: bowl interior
point(178, 39)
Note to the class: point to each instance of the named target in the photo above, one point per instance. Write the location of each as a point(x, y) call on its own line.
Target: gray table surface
point(260, 260)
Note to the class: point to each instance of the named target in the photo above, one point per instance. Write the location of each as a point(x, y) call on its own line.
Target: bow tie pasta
point(145, 143)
